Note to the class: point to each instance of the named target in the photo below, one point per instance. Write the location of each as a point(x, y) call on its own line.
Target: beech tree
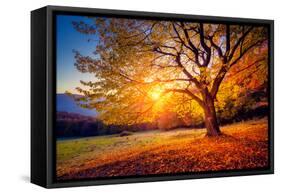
point(143, 67)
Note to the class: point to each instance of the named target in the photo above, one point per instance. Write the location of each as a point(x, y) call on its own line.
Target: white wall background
point(15, 95)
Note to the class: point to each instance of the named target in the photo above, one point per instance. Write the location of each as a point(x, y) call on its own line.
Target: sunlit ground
point(244, 146)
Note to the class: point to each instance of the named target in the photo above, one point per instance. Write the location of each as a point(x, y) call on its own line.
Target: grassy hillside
point(243, 146)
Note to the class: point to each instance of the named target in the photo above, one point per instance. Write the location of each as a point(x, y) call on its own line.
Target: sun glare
point(155, 94)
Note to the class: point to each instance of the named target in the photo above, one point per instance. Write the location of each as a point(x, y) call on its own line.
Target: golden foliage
point(138, 61)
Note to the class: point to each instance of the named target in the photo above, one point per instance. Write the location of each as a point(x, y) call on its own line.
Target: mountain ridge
point(65, 103)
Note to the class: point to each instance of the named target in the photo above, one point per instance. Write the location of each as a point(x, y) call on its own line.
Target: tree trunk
point(211, 122)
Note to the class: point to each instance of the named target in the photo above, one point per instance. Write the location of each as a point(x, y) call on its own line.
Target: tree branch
point(193, 79)
point(241, 39)
point(188, 92)
point(252, 64)
point(217, 81)
point(194, 49)
point(242, 53)
point(158, 50)
point(218, 49)
point(227, 36)
point(179, 37)
point(204, 45)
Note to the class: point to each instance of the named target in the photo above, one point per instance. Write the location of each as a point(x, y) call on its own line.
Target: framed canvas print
point(124, 96)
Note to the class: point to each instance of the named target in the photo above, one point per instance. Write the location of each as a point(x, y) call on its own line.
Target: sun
point(155, 94)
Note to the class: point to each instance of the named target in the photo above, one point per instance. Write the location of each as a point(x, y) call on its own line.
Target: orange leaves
point(243, 146)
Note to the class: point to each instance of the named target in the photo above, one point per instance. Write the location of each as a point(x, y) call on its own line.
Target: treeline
point(76, 125)
point(252, 104)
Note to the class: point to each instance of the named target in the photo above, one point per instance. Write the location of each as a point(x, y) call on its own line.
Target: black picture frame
point(43, 89)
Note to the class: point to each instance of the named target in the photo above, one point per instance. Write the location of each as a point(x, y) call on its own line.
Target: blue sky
point(68, 77)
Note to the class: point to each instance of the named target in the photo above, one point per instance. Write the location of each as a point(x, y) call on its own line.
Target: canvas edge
point(50, 163)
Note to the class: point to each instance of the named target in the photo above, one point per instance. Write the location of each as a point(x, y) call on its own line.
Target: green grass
point(71, 148)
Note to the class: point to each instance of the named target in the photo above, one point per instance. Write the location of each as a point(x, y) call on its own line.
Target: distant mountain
point(67, 116)
point(66, 103)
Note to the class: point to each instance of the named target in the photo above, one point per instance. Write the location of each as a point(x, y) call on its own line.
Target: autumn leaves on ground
point(242, 146)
